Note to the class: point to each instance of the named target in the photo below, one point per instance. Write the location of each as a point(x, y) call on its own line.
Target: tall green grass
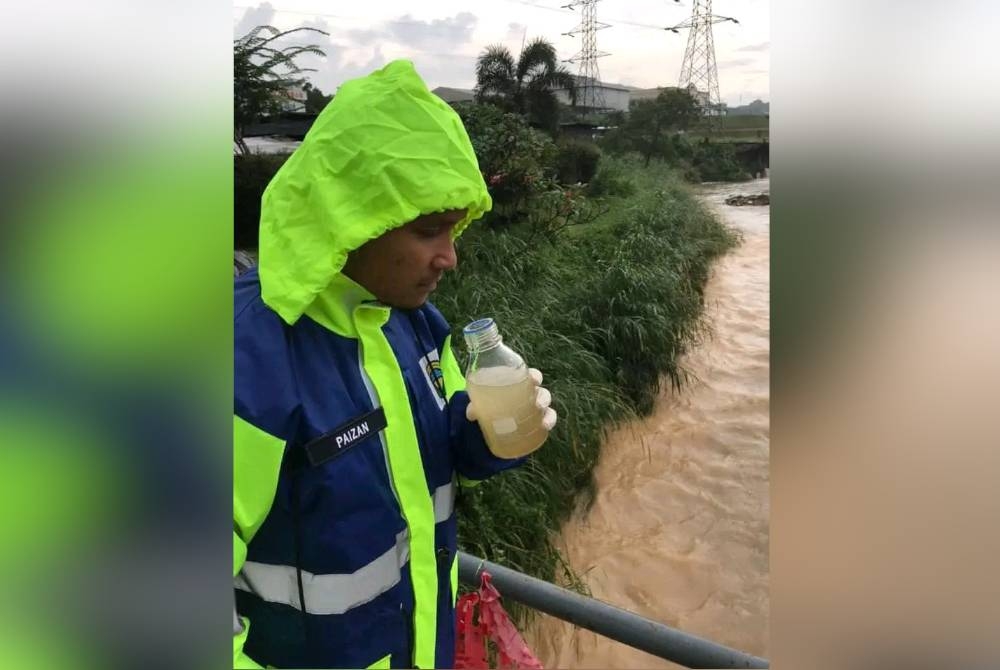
point(605, 313)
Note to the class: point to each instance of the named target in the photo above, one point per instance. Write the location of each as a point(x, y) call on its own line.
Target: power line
point(536, 5)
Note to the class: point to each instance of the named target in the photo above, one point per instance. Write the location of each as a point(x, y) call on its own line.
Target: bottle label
point(504, 426)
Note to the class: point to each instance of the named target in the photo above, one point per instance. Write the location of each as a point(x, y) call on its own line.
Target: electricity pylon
point(698, 70)
point(589, 93)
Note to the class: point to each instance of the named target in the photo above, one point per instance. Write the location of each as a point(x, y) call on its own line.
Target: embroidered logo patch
point(436, 375)
point(431, 366)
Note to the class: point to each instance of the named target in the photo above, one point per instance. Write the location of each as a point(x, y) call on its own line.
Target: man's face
point(403, 266)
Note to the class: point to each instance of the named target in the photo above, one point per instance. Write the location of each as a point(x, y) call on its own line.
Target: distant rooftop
point(581, 81)
point(451, 95)
point(646, 93)
point(649, 93)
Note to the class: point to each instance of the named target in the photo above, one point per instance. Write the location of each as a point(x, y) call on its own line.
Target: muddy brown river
point(678, 531)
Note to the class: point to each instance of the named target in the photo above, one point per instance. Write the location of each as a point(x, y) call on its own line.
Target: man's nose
point(446, 258)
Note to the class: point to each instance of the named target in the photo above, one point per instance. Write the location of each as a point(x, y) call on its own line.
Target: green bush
point(611, 180)
point(703, 160)
point(576, 161)
point(514, 158)
point(697, 161)
point(613, 142)
point(251, 175)
point(717, 161)
point(518, 164)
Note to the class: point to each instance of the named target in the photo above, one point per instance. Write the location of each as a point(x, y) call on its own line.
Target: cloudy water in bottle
point(502, 393)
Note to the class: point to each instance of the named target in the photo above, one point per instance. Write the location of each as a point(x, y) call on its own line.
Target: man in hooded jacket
point(352, 428)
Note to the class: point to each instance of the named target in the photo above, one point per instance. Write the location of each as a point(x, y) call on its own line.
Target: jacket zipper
point(422, 440)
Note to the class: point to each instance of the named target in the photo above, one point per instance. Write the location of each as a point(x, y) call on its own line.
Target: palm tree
point(262, 74)
point(525, 86)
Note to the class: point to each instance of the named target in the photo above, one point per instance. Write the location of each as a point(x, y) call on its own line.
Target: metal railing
point(604, 619)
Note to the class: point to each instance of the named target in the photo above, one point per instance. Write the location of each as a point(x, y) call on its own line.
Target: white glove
point(543, 398)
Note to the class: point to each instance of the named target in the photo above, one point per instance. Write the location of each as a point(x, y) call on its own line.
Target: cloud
point(458, 71)
point(434, 46)
point(261, 15)
point(437, 34)
point(344, 59)
point(366, 36)
point(737, 62)
point(343, 64)
point(763, 46)
point(515, 32)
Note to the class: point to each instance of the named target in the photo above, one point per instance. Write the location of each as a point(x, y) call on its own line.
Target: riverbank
point(678, 527)
point(605, 312)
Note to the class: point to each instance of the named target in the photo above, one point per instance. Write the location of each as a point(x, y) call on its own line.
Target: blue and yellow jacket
point(350, 435)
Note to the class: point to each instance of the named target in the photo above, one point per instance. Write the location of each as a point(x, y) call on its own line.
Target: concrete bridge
point(293, 125)
point(754, 155)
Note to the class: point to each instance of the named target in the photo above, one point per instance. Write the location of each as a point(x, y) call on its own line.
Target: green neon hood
point(383, 152)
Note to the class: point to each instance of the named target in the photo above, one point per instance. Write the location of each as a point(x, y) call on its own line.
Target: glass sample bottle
point(502, 393)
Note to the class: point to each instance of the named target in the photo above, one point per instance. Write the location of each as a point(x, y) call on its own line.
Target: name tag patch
point(342, 438)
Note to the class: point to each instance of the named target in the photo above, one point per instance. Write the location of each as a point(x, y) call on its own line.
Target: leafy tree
point(576, 161)
point(513, 158)
point(263, 73)
point(316, 100)
point(651, 124)
point(525, 86)
point(516, 161)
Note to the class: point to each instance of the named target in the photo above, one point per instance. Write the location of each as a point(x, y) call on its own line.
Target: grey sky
point(443, 38)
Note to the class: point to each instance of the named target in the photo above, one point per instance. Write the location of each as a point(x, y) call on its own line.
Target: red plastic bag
point(492, 625)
